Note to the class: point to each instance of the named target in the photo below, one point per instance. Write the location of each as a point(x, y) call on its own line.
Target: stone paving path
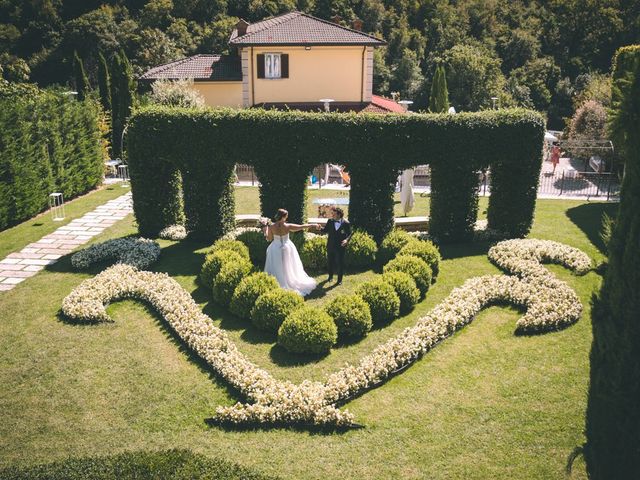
point(17, 267)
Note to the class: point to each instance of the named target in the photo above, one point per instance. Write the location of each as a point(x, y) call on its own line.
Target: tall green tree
point(80, 76)
point(104, 82)
point(122, 90)
point(612, 450)
point(439, 98)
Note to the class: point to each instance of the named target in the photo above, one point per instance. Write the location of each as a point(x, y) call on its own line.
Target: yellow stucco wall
point(220, 94)
point(321, 72)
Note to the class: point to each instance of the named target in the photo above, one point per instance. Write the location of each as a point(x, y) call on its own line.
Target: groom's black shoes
point(330, 278)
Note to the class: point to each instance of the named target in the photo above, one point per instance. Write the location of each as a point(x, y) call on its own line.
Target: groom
point(339, 234)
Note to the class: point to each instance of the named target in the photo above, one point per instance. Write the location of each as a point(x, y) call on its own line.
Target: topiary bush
point(271, 309)
point(230, 275)
point(257, 245)
point(234, 245)
point(361, 251)
point(392, 244)
point(248, 291)
point(425, 250)
point(308, 330)
point(405, 287)
point(351, 315)
point(213, 262)
point(415, 267)
point(382, 299)
point(314, 253)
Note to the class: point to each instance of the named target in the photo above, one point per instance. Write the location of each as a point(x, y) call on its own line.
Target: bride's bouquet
point(263, 223)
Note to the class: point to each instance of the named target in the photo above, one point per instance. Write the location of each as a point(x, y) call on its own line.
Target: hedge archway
point(174, 150)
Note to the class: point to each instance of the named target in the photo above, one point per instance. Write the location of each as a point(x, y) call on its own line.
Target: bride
point(283, 261)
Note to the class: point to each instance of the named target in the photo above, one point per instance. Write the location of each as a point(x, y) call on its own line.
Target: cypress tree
point(116, 123)
point(104, 83)
point(439, 98)
point(612, 450)
point(82, 82)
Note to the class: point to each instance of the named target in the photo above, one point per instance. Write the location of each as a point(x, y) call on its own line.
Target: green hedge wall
point(48, 143)
point(285, 146)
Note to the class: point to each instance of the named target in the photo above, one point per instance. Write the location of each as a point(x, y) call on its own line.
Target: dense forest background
point(549, 55)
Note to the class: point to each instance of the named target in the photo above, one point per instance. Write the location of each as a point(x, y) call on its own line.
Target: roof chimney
point(336, 19)
point(357, 24)
point(241, 27)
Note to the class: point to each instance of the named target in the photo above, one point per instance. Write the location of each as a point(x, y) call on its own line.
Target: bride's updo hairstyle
point(282, 213)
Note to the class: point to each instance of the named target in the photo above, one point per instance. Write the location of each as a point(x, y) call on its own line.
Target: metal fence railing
point(582, 184)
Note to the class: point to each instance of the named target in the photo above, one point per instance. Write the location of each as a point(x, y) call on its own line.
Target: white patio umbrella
point(550, 138)
point(406, 192)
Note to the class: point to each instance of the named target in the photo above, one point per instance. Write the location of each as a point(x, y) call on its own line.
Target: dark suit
point(335, 250)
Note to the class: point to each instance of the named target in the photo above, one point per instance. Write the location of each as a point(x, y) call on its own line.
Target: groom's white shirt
point(337, 223)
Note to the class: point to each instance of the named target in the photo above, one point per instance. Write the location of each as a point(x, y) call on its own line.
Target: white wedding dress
point(283, 262)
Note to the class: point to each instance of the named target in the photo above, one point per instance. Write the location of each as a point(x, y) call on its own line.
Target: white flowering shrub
point(173, 232)
point(137, 252)
point(550, 304)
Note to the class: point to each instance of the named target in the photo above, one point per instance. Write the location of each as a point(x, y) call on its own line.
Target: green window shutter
point(260, 60)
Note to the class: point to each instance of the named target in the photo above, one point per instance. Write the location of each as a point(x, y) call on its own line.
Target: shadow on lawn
point(588, 218)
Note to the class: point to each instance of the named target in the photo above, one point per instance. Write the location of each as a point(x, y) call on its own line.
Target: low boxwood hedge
point(271, 309)
point(425, 250)
point(382, 299)
point(414, 267)
point(230, 275)
point(405, 287)
point(257, 245)
point(314, 254)
point(213, 262)
point(351, 315)
point(235, 245)
point(391, 245)
point(248, 291)
point(308, 330)
point(361, 251)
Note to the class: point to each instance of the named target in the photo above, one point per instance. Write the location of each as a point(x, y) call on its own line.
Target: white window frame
point(272, 74)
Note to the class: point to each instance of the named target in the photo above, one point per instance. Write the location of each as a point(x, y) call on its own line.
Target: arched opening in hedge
point(194, 151)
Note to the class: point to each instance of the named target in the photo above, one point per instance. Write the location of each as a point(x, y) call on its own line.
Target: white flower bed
point(138, 252)
point(550, 304)
point(173, 232)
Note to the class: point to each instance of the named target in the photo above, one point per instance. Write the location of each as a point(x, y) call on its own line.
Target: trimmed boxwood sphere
point(414, 267)
point(271, 309)
point(425, 250)
point(382, 299)
point(248, 291)
point(257, 245)
point(308, 330)
point(361, 251)
point(234, 245)
point(351, 315)
point(213, 262)
point(231, 274)
point(392, 244)
point(314, 254)
point(405, 287)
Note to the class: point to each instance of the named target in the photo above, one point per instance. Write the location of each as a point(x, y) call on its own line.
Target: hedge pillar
point(514, 181)
point(284, 187)
point(612, 450)
point(454, 200)
point(209, 203)
point(371, 198)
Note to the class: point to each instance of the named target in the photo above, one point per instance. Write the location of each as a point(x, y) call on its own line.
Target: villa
point(293, 60)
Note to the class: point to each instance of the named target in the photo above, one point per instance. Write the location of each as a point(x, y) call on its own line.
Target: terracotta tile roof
point(386, 105)
point(298, 28)
point(212, 68)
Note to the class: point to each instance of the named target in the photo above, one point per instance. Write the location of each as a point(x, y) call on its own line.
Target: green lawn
point(484, 404)
point(16, 238)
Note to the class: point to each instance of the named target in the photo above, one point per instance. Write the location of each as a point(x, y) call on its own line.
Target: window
point(272, 65)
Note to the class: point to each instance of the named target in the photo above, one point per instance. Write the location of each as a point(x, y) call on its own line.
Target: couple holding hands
point(283, 260)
